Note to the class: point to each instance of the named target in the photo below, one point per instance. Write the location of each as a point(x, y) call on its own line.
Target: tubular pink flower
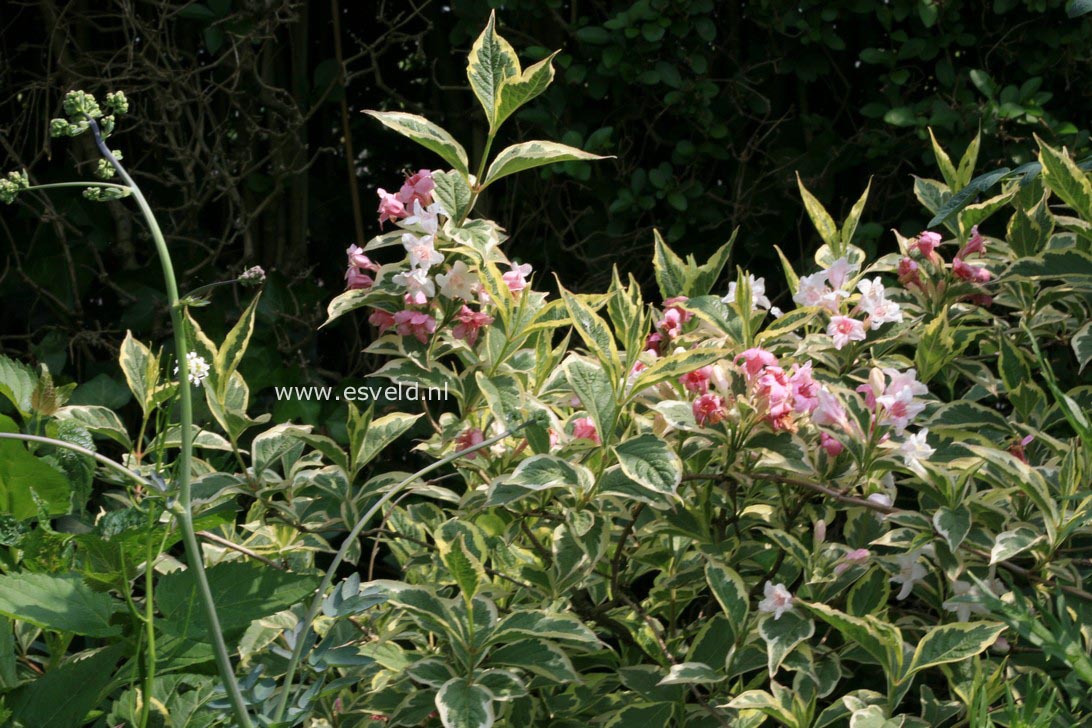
point(709, 409)
point(968, 272)
point(697, 380)
point(470, 323)
point(382, 319)
point(831, 445)
point(516, 279)
point(844, 329)
point(470, 438)
point(356, 279)
point(857, 557)
point(754, 360)
point(417, 188)
point(805, 390)
point(416, 324)
point(584, 429)
point(359, 260)
point(390, 206)
point(927, 242)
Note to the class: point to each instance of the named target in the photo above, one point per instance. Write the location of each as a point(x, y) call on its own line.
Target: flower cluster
point(197, 368)
point(922, 266)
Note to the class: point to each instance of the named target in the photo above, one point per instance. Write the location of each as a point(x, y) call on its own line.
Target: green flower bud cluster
point(105, 170)
point(105, 194)
point(81, 106)
point(12, 185)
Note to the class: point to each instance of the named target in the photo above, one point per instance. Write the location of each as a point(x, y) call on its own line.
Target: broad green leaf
point(274, 443)
point(503, 685)
point(690, 673)
point(27, 481)
point(880, 639)
point(347, 301)
point(787, 323)
point(671, 270)
point(702, 278)
point(430, 611)
point(464, 568)
point(428, 135)
point(381, 433)
point(651, 462)
point(432, 671)
point(538, 657)
point(936, 348)
point(641, 714)
point(516, 91)
point(944, 205)
point(730, 592)
point(869, 593)
point(98, 421)
point(453, 194)
point(231, 352)
point(492, 61)
point(1029, 231)
point(528, 155)
point(791, 278)
point(17, 383)
point(503, 395)
point(230, 411)
point(64, 696)
point(820, 218)
point(1066, 264)
point(1011, 543)
point(59, 603)
point(953, 524)
point(540, 472)
point(1066, 179)
point(968, 160)
point(463, 704)
point(977, 213)
point(1082, 345)
point(141, 370)
point(849, 227)
point(952, 643)
point(762, 701)
point(782, 635)
point(596, 392)
point(543, 625)
point(593, 330)
point(242, 592)
point(673, 366)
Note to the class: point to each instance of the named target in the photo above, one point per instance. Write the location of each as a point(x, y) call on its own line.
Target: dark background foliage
point(246, 133)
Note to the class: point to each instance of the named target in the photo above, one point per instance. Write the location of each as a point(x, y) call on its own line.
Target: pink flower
point(832, 445)
point(709, 409)
point(672, 304)
point(829, 411)
point(653, 342)
point(382, 319)
point(857, 557)
point(470, 438)
point(390, 207)
point(775, 397)
point(814, 291)
point(873, 302)
point(972, 273)
point(976, 244)
point(908, 273)
point(672, 322)
point(778, 600)
point(359, 260)
point(839, 272)
point(981, 299)
point(754, 360)
point(584, 429)
point(357, 279)
point(517, 277)
point(417, 188)
point(470, 322)
point(927, 241)
point(416, 324)
point(805, 390)
point(844, 329)
point(1018, 448)
point(697, 380)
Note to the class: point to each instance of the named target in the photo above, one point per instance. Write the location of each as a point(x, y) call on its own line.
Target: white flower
point(961, 588)
point(459, 282)
point(814, 291)
point(844, 329)
point(196, 367)
point(910, 572)
point(778, 600)
point(839, 272)
point(914, 449)
point(758, 293)
point(419, 287)
point(776, 312)
point(422, 251)
point(898, 397)
point(880, 310)
point(424, 220)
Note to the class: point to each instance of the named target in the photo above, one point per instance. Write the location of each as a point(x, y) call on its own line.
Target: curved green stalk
point(185, 507)
point(82, 451)
point(328, 577)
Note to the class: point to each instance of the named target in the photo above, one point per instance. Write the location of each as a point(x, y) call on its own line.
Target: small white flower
point(196, 367)
point(758, 293)
point(419, 287)
point(776, 312)
point(914, 449)
point(424, 220)
point(422, 251)
point(459, 282)
point(844, 329)
point(778, 600)
point(814, 291)
point(880, 310)
point(839, 273)
point(961, 588)
point(910, 572)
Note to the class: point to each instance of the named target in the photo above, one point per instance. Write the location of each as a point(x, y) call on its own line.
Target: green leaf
point(820, 218)
point(791, 278)
point(787, 323)
point(26, 481)
point(1010, 543)
point(880, 639)
point(492, 61)
point(849, 227)
point(62, 603)
point(869, 593)
point(783, 635)
point(1029, 231)
point(651, 462)
point(953, 524)
point(17, 383)
point(516, 91)
point(642, 714)
point(702, 278)
point(952, 643)
point(690, 673)
point(428, 135)
point(673, 366)
point(1082, 345)
point(538, 657)
point(936, 348)
point(453, 194)
point(64, 696)
point(141, 370)
point(381, 433)
point(462, 704)
point(596, 392)
point(98, 421)
point(528, 155)
point(232, 350)
point(502, 684)
point(593, 330)
point(543, 625)
point(540, 472)
point(242, 592)
point(944, 162)
point(730, 592)
point(464, 568)
point(1066, 179)
point(1069, 263)
point(968, 160)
